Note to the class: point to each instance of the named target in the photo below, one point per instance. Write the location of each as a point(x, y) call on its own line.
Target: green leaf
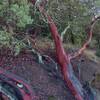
point(18, 47)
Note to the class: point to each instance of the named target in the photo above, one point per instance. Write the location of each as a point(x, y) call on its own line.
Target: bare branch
point(64, 32)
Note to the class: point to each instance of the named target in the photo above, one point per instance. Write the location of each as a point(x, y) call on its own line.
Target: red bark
point(90, 30)
point(64, 61)
point(26, 91)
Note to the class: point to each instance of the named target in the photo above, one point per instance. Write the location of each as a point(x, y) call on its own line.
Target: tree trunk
point(64, 59)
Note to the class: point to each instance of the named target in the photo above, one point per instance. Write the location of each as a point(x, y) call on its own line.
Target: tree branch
point(64, 59)
point(90, 30)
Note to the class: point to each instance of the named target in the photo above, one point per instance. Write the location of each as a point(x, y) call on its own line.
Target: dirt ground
point(44, 84)
point(26, 66)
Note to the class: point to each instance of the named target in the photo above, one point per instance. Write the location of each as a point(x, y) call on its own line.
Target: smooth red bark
point(64, 61)
point(27, 95)
point(90, 30)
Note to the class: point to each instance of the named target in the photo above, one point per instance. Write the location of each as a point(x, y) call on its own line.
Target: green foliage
point(5, 38)
point(20, 15)
point(14, 17)
point(14, 44)
point(72, 12)
point(98, 53)
point(40, 21)
point(18, 46)
point(97, 3)
point(16, 14)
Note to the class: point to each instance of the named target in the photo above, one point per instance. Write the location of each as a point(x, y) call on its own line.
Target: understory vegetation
point(20, 21)
point(44, 30)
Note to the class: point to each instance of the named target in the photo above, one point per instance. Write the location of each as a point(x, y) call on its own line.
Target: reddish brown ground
point(46, 87)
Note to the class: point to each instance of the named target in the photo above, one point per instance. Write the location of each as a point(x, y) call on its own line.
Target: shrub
point(14, 17)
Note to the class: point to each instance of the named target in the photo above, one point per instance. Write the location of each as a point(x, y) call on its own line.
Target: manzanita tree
point(71, 14)
point(64, 59)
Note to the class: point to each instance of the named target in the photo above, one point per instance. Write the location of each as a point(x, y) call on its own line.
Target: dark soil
point(44, 83)
point(26, 66)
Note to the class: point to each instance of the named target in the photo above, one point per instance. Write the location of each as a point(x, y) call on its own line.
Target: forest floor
point(44, 84)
